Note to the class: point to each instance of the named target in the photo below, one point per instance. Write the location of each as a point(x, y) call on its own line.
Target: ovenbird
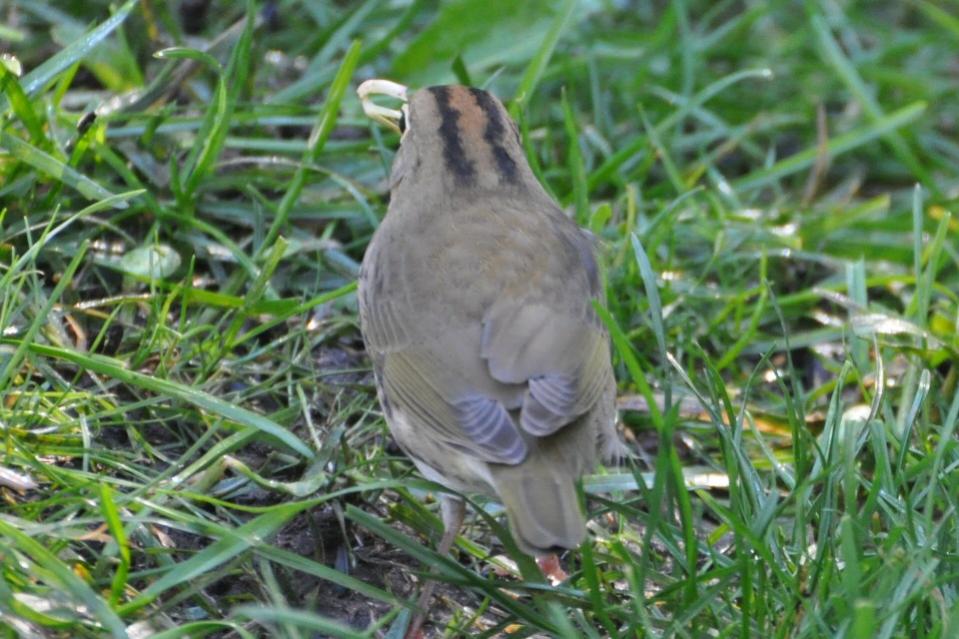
point(476, 304)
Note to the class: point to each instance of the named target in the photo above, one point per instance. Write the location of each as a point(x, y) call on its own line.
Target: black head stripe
point(494, 134)
point(453, 152)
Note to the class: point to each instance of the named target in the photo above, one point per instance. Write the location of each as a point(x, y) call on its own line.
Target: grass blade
point(835, 147)
point(59, 576)
point(116, 369)
point(54, 168)
point(34, 81)
point(845, 69)
point(536, 66)
point(231, 543)
point(318, 137)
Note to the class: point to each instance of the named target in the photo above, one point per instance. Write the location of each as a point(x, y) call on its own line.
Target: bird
point(476, 297)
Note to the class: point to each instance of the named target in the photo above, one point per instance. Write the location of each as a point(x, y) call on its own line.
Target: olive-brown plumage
point(476, 302)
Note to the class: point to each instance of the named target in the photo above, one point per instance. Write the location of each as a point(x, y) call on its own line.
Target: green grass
point(191, 441)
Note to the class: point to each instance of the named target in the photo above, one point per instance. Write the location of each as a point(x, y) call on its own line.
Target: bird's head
point(461, 138)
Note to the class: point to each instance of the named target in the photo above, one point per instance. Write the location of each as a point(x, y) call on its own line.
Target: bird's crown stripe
point(449, 130)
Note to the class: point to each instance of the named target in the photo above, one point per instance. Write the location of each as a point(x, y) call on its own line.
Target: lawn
point(192, 445)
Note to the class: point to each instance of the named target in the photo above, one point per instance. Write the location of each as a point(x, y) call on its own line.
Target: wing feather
point(470, 421)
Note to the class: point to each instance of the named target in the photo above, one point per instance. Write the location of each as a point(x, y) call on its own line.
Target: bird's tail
point(542, 507)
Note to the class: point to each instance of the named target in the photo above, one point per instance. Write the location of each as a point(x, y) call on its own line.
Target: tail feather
point(542, 508)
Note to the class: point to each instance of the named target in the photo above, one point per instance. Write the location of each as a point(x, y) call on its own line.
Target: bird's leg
point(453, 510)
point(552, 569)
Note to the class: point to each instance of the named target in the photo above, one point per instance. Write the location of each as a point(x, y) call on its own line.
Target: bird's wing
point(437, 380)
point(446, 406)
point(563, 360)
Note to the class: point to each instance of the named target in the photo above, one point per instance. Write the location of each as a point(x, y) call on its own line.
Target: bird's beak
point(389, 117)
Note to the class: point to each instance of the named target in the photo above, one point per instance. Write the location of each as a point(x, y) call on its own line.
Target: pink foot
point(552, 570)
